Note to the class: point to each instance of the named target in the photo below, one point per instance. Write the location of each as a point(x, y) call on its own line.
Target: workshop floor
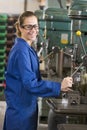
point(42, 127)
point(2, 111)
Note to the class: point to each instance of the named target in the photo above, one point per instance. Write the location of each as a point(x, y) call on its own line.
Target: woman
point(23, 80)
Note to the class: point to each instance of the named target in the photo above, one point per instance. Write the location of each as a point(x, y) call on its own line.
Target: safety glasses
point(30, 27)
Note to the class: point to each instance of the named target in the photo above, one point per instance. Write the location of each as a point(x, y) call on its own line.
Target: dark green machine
point(59, 26)
point(55, 25)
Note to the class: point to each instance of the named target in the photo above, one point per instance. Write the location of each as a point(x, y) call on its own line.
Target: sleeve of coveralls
point(40, 88)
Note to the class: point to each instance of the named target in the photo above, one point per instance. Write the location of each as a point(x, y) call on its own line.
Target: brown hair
point(21, 19)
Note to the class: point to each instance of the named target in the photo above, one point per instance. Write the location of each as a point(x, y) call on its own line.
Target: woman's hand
point(66, 84)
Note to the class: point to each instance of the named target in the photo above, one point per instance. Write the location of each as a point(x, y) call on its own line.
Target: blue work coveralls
point(23, 87)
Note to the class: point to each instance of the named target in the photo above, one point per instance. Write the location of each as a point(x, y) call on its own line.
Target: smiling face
point(29, 29)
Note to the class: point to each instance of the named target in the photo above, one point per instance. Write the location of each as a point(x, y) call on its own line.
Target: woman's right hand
point(66, 84)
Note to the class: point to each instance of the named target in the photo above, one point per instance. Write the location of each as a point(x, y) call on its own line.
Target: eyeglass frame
point(30, 27)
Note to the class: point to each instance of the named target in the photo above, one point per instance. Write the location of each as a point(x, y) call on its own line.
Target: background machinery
point(62, 48)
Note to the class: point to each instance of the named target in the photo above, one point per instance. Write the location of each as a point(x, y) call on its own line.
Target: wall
point(17, 6)
point(11, 6)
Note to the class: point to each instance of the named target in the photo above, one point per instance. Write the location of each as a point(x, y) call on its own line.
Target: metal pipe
point(60, 63)
point(76, 70)
point(25, 5)
point(82, 44)
point(60, 3)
